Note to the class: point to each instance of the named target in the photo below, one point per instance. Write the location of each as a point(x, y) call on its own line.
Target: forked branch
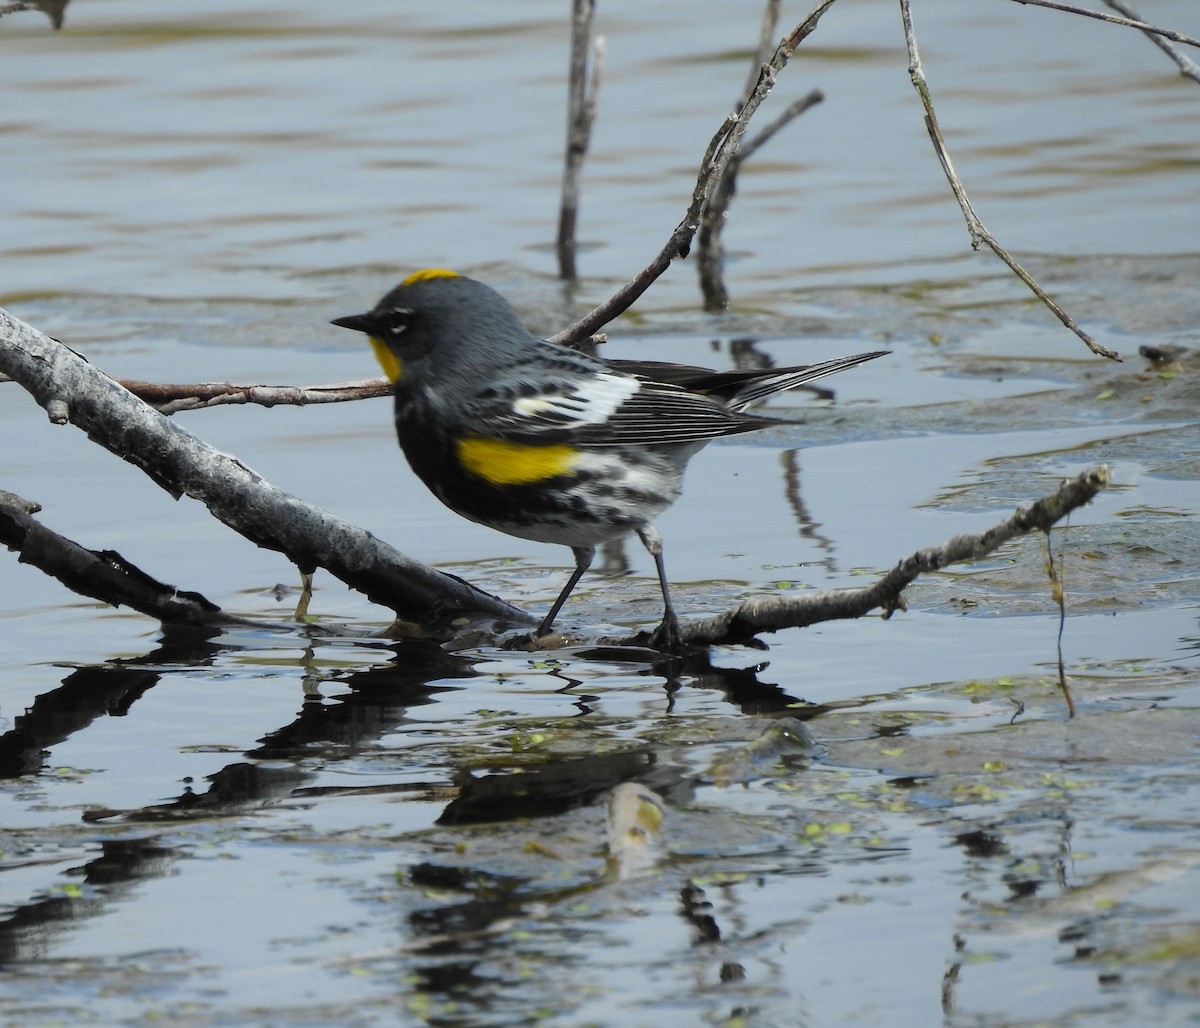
point(721, 149)
point(1130, 22)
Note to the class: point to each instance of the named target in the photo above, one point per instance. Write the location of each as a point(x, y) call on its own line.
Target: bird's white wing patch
point(593, 401)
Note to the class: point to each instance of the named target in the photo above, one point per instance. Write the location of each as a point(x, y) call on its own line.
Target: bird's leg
point(666, 636)
point(584, 555)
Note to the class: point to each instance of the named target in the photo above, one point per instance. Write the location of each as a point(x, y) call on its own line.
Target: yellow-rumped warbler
point(544, 442)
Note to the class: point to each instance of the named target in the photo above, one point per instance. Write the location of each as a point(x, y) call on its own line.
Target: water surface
point(871, 822)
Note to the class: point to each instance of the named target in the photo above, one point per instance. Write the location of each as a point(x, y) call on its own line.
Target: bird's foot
point(667, 636)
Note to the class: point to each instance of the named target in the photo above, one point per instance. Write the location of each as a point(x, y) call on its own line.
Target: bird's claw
point(667, 636)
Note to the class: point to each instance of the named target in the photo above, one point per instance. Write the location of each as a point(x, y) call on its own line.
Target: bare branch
point(979, 234)
point(173, 397)
point(1187, 66)
point(581, 113)
point(100, 574)
point(170, 398)
point(1132, 23)
point(721, 148)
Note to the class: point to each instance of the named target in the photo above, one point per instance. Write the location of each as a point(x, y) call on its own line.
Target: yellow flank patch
point(427, 273)
point(387, 360)
point(505, 463)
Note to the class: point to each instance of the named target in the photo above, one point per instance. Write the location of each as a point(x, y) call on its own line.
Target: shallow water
point(267, 828)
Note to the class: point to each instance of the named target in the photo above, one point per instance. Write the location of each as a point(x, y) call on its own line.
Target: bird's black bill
point(357, 323)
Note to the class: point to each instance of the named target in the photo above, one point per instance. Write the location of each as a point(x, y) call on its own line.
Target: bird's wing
point(600, 407)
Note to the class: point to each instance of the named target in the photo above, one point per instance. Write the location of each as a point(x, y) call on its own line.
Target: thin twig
point(170, 398)
point(581, 113)
point(721, 148)
point(1132, 23)
point(793, 110)
point(1187, 66)
point(1058, 592)
point(710, 253)
point(979, 234)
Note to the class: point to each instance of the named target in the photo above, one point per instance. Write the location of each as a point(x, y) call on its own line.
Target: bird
point(545, 442)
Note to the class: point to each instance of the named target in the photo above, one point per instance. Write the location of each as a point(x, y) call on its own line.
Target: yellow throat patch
point(387, 360)
point(504, 463)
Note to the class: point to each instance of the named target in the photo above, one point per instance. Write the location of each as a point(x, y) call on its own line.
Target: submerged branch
point(101, 574)
point(710, 253)
point(771, 613)
point(1060, 598)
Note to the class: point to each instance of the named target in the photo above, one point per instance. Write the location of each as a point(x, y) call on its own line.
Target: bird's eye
point(398, 319)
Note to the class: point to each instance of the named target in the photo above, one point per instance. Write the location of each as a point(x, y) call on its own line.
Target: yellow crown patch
point(425, 274)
